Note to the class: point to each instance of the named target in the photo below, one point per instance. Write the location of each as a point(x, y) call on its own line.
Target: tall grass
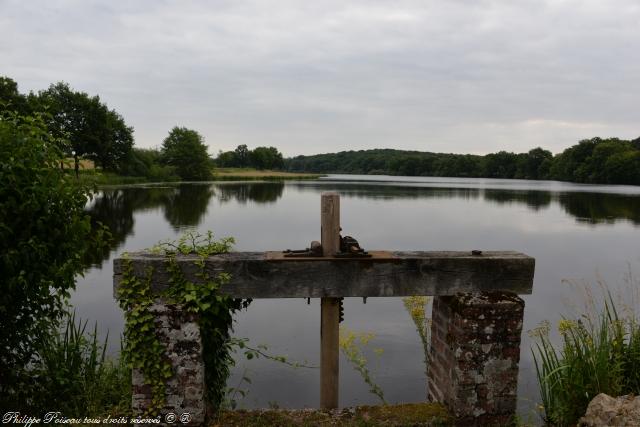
point(599, 353)
point(73, 375)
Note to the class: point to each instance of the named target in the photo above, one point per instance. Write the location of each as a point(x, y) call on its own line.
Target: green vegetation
point(250, 174)
point(94, 131)
point(604, 161)
point(600, 353)
point(91, 129)
point(416, 306)
point(184, 149)
point(74, 376)
point(147, 165)
point(143, 349)
point(259, 158)
point(44, 236)
point(352, 345)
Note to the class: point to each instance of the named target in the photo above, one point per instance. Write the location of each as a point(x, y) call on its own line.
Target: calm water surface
point(577, 232)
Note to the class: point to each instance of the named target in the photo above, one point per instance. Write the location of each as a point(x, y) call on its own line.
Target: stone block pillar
point(474, 355)
point(179, 333)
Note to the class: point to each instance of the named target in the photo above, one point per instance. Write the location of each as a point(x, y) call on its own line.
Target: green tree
point(242, 156)
point(184, 149)
point(226, 159)
point(93, 130)
point(535, 164)
point(44, 235)
point(266, 158)
point(10, 98)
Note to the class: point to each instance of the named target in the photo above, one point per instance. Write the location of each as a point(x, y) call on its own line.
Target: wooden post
point(329, 307)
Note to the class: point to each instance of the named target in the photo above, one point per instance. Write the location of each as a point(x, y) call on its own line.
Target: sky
point(455, 76)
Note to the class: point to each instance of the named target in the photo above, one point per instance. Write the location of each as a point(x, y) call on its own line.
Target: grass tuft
point(599, 353)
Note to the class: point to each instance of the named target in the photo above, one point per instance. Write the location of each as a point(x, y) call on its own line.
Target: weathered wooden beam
point(385, 274)
point(329, 307)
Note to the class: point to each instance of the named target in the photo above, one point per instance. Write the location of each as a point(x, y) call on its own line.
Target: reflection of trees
point(379, 190)
point(533, 199)
point(596, 208)
point(183, 205)
point(259, 192)
point(187, 205)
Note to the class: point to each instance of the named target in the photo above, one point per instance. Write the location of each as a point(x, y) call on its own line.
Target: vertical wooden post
point(329, 307)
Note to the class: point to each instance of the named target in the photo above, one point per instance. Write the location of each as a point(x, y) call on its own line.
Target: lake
point(575, 232)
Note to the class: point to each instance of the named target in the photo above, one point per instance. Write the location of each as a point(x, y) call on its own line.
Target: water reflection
point(185, 205)
point(261, 192)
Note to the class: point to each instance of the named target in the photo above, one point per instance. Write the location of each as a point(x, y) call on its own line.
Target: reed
point(599, 353)
point(73, 374)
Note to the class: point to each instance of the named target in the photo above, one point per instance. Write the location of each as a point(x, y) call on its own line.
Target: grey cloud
point(307, 77)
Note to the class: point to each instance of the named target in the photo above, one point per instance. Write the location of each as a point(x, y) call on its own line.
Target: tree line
point(85, 127)
point(596, 160)
point(258, 158)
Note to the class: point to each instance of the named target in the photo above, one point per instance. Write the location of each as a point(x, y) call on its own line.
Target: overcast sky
point(322, 76)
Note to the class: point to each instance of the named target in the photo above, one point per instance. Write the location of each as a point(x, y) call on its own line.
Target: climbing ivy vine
point(144, 351)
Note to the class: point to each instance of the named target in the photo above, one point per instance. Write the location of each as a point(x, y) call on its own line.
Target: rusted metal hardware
point(350, 248)
point(314, 250)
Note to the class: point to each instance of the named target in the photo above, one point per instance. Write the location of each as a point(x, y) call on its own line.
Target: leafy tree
point(266, 158)
point(623, 168)
point(44, 234)
point(242, 156)
point(93, 130)
point(535, 164)
point(226, 159)
point(184, 149)
point(500, 165)
point(10, 98)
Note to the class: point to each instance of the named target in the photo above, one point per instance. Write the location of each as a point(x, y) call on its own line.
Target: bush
point(600, 353)
point(44, 233)
point(74, 376)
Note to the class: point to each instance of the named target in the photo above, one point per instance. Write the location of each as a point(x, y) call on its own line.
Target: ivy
point(214, 312)
point(143, 350)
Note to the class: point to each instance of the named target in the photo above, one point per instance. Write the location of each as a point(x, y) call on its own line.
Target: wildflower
point(565, 325)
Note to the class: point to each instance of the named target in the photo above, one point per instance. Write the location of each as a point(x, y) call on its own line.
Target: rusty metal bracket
point(314, 250)
point(350, 248)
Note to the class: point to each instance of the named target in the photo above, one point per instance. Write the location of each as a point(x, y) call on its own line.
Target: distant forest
point(596, 160)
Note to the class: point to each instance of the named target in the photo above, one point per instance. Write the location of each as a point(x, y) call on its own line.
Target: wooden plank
point(329, 307)
point(330, 223)
point(259, 275)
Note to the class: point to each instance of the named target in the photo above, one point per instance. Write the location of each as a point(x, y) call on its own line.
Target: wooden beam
point(329, 307)
point(385, 274)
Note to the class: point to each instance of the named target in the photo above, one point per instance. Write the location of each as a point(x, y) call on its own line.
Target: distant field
point(247, 173)
point(85, 164)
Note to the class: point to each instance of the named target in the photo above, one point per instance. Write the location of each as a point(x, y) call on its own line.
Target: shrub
point(74, 376)
point(600, 353)
point(44, 233)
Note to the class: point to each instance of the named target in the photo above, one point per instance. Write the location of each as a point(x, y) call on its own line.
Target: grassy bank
point(228, 174)
point(97, 177)
point(100, 178)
